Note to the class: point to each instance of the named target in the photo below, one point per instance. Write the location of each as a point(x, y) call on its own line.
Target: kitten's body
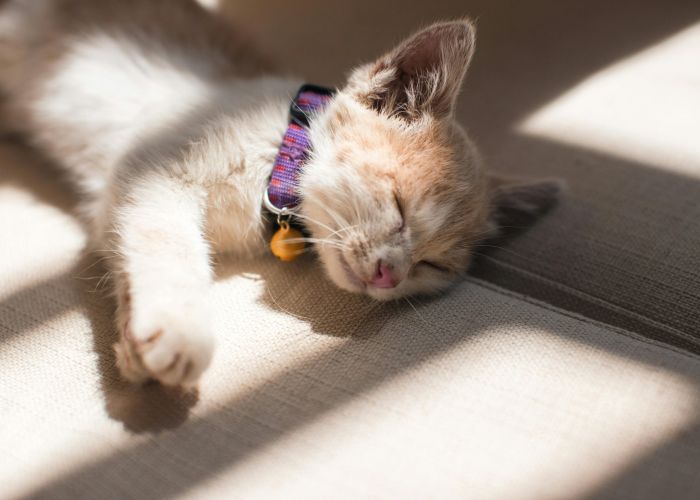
point(170, 129)
point(170, 126)
point(97, 85)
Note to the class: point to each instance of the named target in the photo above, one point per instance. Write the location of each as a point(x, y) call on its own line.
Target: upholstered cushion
point(566, 92)
point(317, 394)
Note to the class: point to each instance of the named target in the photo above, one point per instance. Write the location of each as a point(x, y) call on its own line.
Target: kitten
point(170, 127)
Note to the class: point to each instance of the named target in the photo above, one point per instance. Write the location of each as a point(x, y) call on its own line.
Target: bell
point(287, 243)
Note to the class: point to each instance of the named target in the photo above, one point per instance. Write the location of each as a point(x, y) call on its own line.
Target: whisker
point(96, 262)
point(358, 212)
point(103, 281)
point(320, 241)
point(304, 250)
point(339, 219)
point(420, 316)
point(301, 216)
point(283, 309)
point(343, 229)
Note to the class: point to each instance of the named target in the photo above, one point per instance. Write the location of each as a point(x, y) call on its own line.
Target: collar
point(281, 197)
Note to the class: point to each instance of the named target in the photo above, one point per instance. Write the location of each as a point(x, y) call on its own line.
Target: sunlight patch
point(645, 108)
point(542, 406)
point(209, 4)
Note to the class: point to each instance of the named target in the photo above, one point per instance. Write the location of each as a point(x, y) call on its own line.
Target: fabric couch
point(565, 366)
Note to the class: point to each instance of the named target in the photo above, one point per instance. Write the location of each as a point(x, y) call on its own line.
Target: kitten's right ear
point(422, 75)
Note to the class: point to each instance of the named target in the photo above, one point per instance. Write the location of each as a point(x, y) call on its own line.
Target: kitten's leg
point(162, 276)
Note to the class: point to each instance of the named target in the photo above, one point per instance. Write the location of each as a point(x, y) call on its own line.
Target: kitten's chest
point(235, 222)
point(234, 161)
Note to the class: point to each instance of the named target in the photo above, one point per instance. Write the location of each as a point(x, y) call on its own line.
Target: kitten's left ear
point(515, 205)
point(422, 75)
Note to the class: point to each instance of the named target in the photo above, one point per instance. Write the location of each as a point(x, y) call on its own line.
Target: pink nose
point(384, 277)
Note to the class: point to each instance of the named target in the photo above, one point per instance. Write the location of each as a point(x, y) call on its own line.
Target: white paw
point(172, 345)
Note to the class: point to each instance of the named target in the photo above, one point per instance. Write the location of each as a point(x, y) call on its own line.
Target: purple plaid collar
point(281, 196)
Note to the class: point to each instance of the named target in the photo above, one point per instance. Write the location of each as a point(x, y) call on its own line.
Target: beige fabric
point(317, 394)
point(603, 94)
point(478, 394)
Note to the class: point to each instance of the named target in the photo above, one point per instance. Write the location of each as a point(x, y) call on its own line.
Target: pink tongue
point(383, 278)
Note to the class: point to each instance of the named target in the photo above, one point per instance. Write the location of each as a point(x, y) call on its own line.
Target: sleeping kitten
point(170, 127)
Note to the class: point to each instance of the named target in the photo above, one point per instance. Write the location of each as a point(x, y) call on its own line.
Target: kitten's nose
point(384, 277)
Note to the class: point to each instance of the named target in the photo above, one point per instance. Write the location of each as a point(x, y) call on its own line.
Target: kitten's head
point(394, 185)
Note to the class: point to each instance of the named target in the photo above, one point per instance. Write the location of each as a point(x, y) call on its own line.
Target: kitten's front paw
point(174, 346)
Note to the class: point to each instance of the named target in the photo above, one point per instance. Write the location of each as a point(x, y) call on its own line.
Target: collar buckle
point(284, 212)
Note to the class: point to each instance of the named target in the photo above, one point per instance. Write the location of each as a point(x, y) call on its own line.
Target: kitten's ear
point(515, 205)
point(422, 75)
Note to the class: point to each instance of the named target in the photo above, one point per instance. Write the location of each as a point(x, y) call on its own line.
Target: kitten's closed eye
point(402, 224)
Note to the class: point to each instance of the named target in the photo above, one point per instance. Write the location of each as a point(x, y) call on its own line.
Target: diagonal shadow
point(287, 288)
point(669, 472)
point(527, 54)
point(34, 306)
point(559, 262)
point(24, 168)
point(606, 46)
point(203, 447)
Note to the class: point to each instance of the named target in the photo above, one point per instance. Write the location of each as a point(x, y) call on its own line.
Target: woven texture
point(314, 393)
point(482, 393)
point(293, 152)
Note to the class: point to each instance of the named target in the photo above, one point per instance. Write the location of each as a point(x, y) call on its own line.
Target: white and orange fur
point(169, 125)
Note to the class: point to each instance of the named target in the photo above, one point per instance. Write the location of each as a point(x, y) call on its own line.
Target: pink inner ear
point(421, 55)
point(428, 71)
point(425, 51)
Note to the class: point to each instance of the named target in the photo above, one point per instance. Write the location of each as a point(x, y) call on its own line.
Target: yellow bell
point(286, 244)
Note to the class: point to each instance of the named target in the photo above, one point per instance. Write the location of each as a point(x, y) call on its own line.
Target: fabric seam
point(601, 302)
point(581, 318)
